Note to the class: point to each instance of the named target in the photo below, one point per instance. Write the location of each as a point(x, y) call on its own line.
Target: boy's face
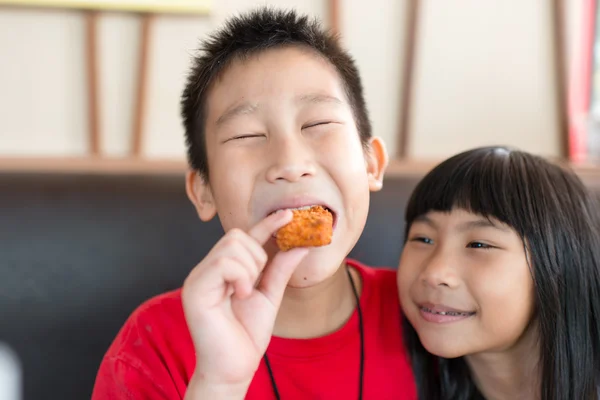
point(280, 133)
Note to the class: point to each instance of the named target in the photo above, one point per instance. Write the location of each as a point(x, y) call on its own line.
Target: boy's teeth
point(296, 208)
point(292, 208)
point(301, 208)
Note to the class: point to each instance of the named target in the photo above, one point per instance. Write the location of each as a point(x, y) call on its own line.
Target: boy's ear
point(200, 194)
point(377, 162)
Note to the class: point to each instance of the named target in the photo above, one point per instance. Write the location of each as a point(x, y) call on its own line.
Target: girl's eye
point(479, 245)
point(422, 239)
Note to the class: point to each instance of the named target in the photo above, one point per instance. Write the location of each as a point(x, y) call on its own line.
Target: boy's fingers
point(229, 272)
point(265, 229)
point(255, 249)
point(277, 275)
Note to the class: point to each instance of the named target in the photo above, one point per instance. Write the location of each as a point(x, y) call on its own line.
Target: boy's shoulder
point(153, 342)
point(157, 316)
point(165, 305)
point(154, 352)
point(156, 320)
point(380, 290)
point(166, 309)
point(374, 276)
point(161, 318)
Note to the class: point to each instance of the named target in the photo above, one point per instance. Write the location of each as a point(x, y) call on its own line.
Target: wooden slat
point(91, 165)
point(92, 82)
point(560, 73)
point(185, 7)
point(140, 100)
point(105, 165)
point(335, 16)
point(410, 46)
point(413, 168)
point(588, 173)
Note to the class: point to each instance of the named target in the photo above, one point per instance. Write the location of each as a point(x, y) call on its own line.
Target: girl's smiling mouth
point(442, 314)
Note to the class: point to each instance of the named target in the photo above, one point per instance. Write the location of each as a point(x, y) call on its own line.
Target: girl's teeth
point(449, 313)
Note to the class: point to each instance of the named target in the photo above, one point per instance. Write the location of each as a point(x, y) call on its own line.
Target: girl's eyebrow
point(481, 223)
point(467, 225)
point(424, 219)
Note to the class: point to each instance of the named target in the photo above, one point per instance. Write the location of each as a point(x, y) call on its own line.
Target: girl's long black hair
point(558, 220)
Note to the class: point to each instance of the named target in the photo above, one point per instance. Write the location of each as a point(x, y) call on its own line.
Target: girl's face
point(465, 284)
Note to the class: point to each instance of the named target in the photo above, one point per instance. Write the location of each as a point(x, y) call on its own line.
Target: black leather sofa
point(78, 253)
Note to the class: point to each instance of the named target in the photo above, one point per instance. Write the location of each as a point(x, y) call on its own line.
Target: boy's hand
point(229, 315)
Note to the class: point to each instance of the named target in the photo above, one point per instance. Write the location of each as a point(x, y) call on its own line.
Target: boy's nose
point(291, 161)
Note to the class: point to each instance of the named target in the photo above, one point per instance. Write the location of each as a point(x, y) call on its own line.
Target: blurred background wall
point(483, 72)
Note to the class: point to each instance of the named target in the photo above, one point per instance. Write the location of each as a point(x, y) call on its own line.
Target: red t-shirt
point(153, 355)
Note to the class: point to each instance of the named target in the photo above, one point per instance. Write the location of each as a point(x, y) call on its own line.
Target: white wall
point(484, 75)
point(42, 90)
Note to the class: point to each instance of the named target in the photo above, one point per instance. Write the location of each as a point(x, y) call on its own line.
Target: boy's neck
point(318, 310)
point(512, 374)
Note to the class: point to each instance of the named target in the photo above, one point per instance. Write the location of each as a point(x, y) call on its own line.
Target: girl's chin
point(444, 350)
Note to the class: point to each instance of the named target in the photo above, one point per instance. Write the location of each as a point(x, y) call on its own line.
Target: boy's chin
point(317, 267)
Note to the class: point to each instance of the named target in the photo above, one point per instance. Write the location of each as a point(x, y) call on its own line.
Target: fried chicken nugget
point(310, 227)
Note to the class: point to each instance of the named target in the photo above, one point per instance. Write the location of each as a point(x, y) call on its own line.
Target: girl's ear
point(377, 162)
point(200, 194)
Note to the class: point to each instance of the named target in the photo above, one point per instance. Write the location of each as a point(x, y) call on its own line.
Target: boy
point(275, 119)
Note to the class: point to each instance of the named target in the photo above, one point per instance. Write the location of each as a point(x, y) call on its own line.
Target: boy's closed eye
point(245, 136)
point(317, 124)
point(260, 135)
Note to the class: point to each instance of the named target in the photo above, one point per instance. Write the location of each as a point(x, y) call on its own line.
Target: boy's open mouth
point(306, 207)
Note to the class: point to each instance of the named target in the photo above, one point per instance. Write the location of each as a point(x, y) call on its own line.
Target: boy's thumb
point(278, 273)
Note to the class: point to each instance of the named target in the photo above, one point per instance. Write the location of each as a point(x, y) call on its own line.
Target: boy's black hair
point(558, 221)
point(249, 34)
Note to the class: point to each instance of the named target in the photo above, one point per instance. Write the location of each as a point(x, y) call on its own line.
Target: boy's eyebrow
point(316, 98)
point(244, 108)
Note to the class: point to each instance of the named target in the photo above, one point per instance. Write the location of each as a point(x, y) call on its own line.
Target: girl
point(499, 280)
